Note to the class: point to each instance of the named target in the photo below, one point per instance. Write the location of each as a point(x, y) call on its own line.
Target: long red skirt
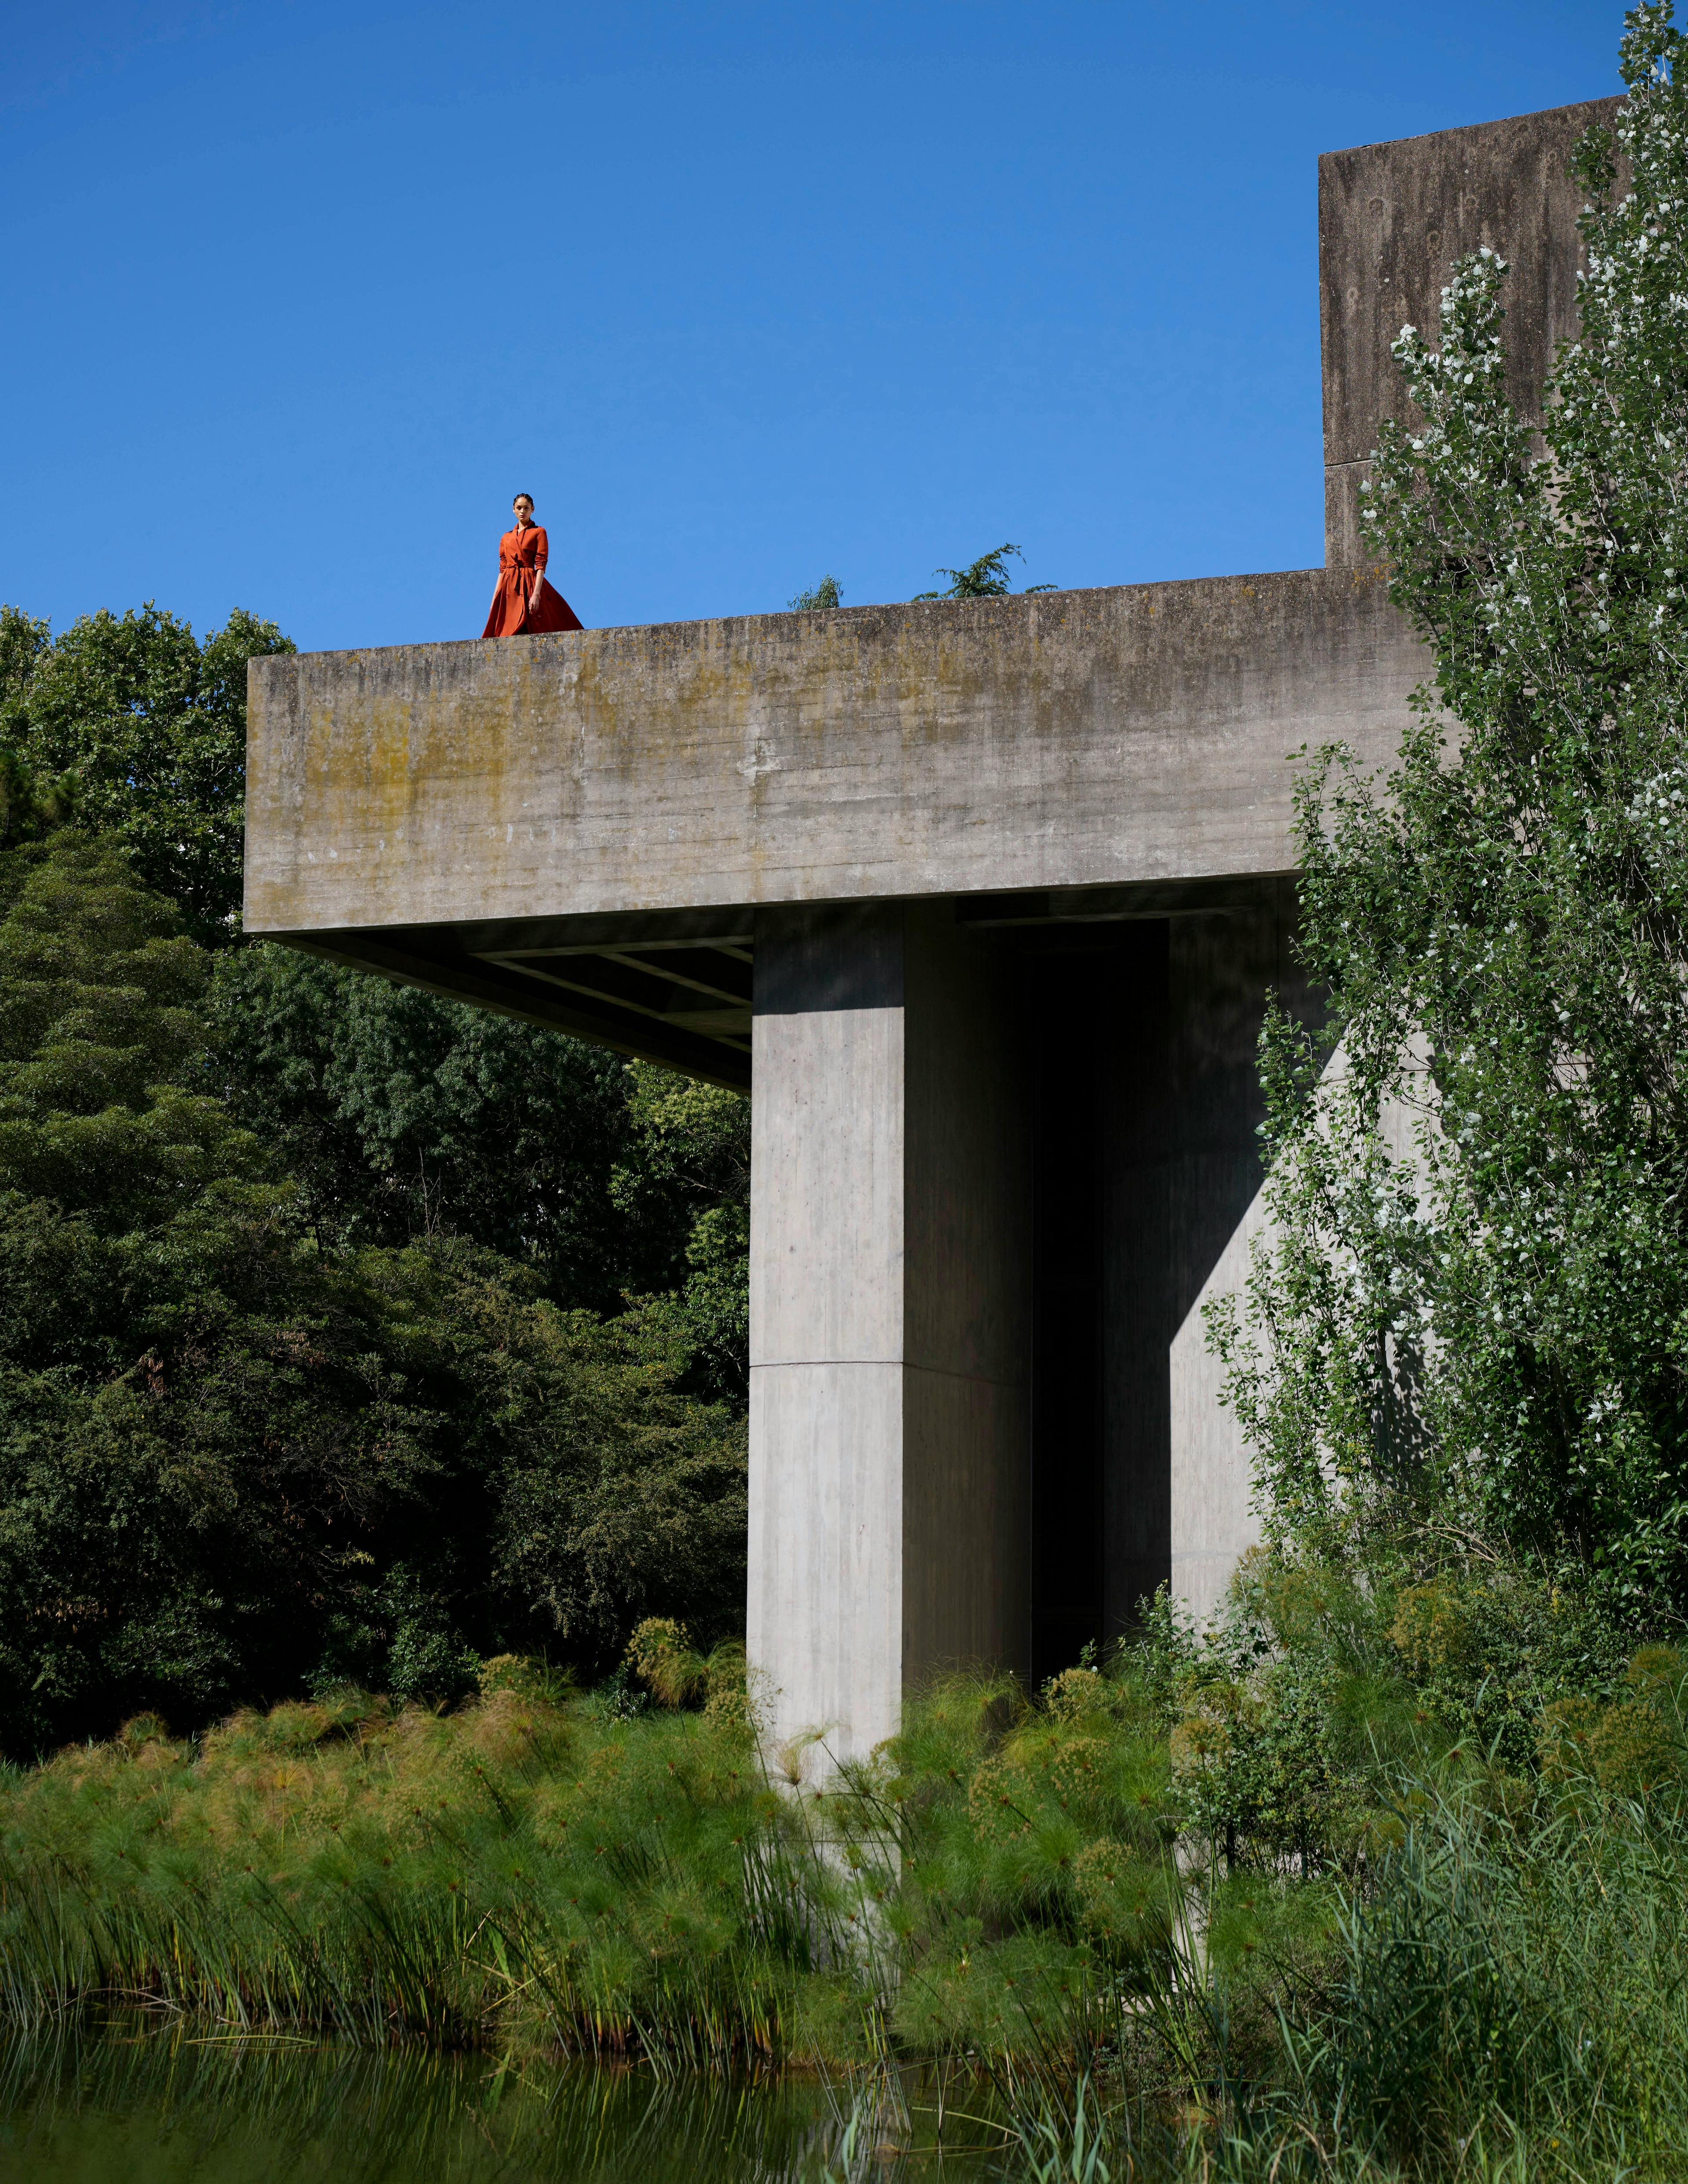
point(513, 614)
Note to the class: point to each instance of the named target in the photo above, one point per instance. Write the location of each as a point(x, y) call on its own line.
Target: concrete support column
point(889, 1318)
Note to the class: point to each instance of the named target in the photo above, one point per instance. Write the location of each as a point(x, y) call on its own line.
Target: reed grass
point(1508, 1998)
point(516, 1870)
point(1495, 1983)
point(531, 1869)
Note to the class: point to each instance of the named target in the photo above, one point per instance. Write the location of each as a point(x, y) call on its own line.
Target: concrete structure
point(982, 901)
point(1392, 218)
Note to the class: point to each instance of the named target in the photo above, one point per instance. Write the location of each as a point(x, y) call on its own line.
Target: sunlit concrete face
point(1392, 219)
point(983, 902)
point(890, 1304)
point(1095, 739)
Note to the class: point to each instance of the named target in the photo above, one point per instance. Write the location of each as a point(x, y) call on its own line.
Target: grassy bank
point(1491, 1960)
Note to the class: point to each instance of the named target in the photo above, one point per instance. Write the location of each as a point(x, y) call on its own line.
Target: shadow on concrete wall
point(1145, 1184)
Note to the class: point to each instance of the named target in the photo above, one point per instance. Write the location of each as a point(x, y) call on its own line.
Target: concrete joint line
point(903, 1364)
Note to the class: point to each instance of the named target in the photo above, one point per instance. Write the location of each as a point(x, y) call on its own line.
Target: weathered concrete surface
point(1212, 1520)
point(890, 1307)
point(1215, 1519)
point(1076, 739)
point(1392, 218)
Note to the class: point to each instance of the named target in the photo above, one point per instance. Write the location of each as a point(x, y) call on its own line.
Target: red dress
point(524, 604)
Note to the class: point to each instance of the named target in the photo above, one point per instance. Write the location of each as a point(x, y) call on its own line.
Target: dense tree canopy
point(345, 1332)
point(233, 1461)
point(144, 728)
point(401, 1115)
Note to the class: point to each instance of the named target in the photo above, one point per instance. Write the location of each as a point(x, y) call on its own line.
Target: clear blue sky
point(298, 293)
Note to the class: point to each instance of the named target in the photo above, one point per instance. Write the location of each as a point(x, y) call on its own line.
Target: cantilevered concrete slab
point(983, 900)
point(581, 827)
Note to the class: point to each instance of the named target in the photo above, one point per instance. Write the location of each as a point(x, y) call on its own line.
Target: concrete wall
point(1392, 218)
point(1077, 739)
point(1184, 1175)
point(1211, 1519)
point(1147, 1175)
point(889, 1306)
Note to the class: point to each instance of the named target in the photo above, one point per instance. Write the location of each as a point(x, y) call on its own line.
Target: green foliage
point(231, 1461)
point(516, 1869)
point(142, 729)
point(689, 1154)
point(402, 1116)
point(301, 1377)
point(661, 1655)
point(1471, 1337)
point(534, 1866)
point(24, 638)
point(99, 1027)
point(1483, 2010)
point(618, 1497)
point(1316, 1691)
point(1019, 1885)
point(1487, 1989)
point(986, 578)
point(1461, 1359)
point(825, 596)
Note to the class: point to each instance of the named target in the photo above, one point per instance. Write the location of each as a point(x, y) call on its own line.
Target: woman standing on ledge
point(524, 604)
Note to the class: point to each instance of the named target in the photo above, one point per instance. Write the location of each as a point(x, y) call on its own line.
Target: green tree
point(691, 1151)
point(404, 1116)
point(31, 803)
point(986, 578)
point(234, 1459)
point(1471, 1336)
point(826, 594)
point(24, 638)
point(147, 725)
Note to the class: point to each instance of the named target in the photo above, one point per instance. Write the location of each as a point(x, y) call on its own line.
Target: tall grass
point(1518, 1980)
point(1498, 1975)
point(1506, 1997)
point(518, 1870)
point(531, 1869)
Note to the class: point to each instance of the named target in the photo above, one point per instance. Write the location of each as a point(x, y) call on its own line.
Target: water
point(135, 2101)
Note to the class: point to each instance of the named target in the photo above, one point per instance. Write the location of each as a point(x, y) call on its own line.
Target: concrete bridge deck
point(581, 828)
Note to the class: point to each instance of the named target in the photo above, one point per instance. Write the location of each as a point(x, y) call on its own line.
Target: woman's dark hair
point(516, 497)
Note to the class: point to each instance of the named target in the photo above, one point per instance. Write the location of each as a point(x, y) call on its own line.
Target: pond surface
point(137, 2102)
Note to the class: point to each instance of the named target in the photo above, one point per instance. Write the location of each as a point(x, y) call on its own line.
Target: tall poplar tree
point(1468, 1338)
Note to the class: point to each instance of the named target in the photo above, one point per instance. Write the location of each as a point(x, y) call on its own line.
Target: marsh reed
point(1493, 1982)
